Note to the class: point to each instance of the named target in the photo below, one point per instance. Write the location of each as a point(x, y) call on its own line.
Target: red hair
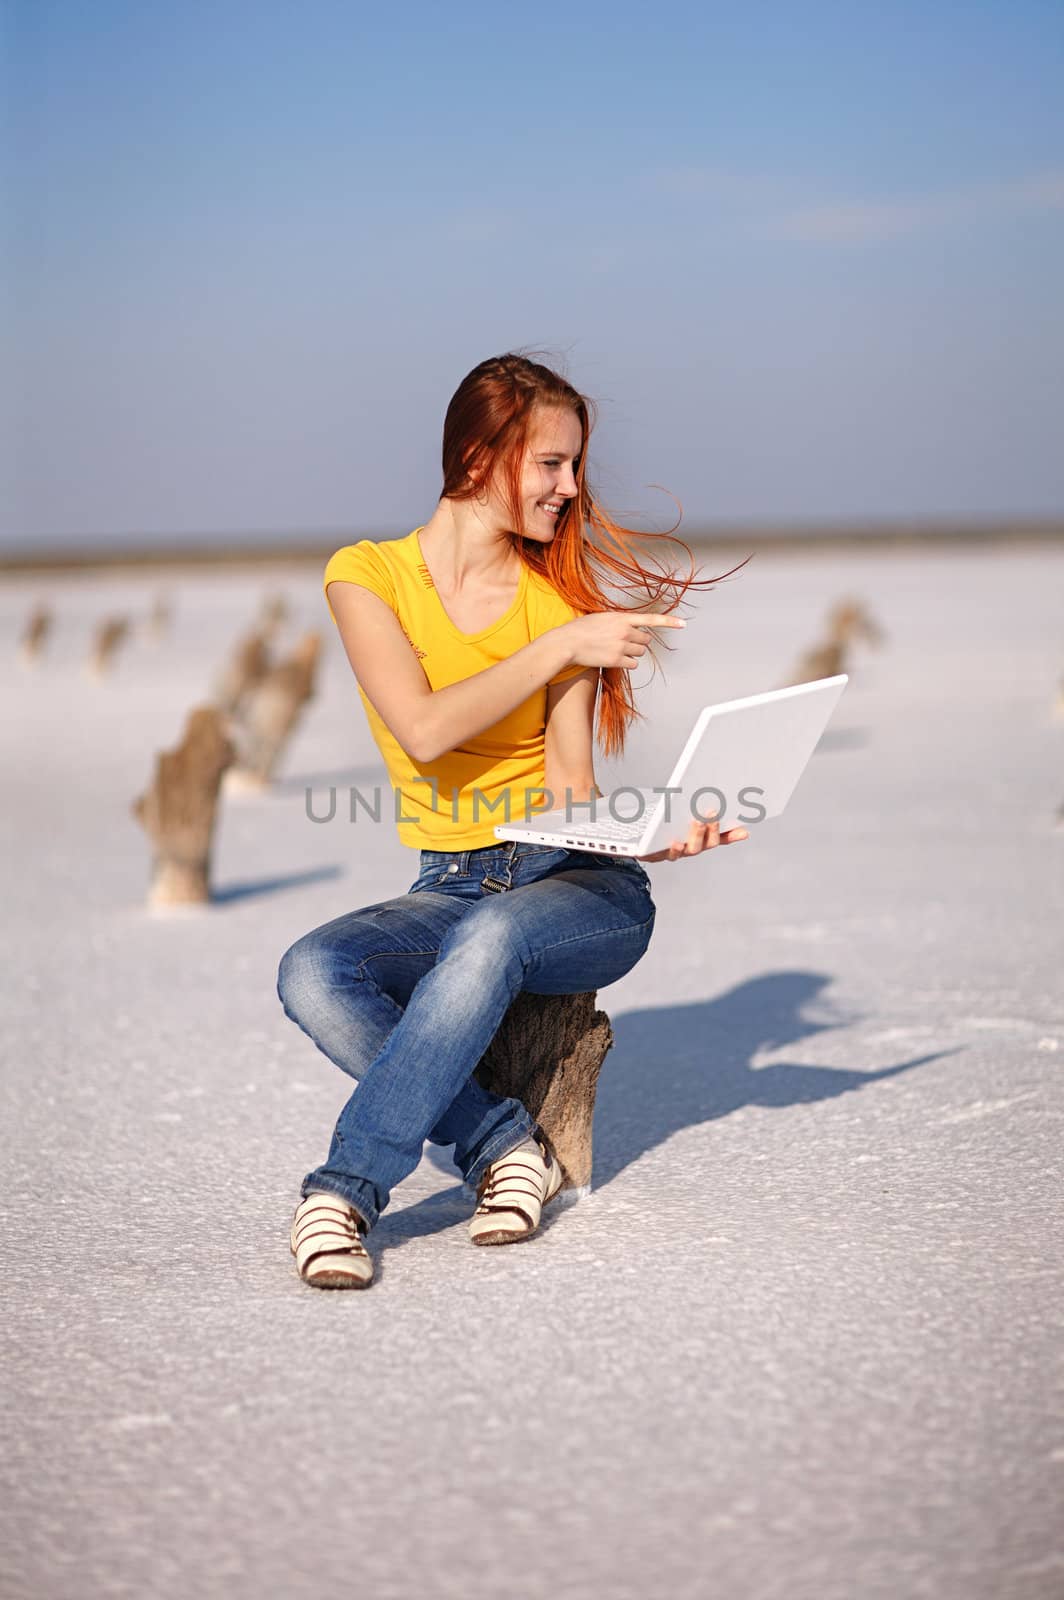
point(486, 432)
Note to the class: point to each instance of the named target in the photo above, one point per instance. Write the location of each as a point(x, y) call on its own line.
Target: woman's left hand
point(700, 836)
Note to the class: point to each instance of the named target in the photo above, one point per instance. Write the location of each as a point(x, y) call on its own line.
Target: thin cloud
point(772, 207)
point(852, 221)
point(861, 221)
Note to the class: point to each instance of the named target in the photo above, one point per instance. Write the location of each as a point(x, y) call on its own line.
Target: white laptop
point(741, 764)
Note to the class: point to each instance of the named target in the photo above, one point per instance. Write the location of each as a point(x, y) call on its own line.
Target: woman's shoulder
point(392, 551)
point(376, 564)
point(372, 557)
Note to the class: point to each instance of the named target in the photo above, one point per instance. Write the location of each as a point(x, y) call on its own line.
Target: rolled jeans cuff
point(515, 1133)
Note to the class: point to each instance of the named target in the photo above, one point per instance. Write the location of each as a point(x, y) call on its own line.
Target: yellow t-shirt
point(460, 808)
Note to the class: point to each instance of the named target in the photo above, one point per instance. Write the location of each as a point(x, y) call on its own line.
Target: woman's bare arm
point(569, 739)
point(427, 722)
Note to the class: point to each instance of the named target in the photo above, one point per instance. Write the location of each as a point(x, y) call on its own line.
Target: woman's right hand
point(613, 638)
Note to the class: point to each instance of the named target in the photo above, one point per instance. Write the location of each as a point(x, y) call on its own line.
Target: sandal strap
point(515, 1184)
point(326, 1227)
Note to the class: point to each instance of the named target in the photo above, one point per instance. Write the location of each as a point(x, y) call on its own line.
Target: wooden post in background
point(270, 714)
point(178, 811)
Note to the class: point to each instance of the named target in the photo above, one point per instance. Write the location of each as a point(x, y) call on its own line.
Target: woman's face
point(548, 479)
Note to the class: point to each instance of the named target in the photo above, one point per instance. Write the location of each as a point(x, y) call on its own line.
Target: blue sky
point(807, 258)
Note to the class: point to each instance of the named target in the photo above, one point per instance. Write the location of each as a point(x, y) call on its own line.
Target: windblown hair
point(485, 435)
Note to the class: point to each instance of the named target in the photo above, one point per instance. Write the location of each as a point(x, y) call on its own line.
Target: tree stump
point(847, 621)
point(273, 612)
point(178, 811)
point(248, 666)
point(160, 617)
point(35, 634)
point(112, 632)
point(547, 1053)
point(821, 661)
point(272, 711)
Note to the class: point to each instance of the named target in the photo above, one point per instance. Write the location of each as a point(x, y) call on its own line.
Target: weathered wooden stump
point(547, 1053)
point(271, 712)
point(160, 617)
point(273, 612)
point(112, 632)
point(851, 619)
point(35, 634)
point(820, 661)
point(247, 667)
point(847, 621)
point(178, 811)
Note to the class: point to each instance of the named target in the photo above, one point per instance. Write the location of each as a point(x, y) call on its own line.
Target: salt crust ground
point(803, 1339)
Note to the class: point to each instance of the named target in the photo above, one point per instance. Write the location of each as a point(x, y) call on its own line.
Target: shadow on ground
point(229, 892)
point(685, 1065)
point(836, 739)
point(675, 1067)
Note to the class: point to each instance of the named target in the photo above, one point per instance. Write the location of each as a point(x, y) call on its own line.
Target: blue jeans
point(405, 996)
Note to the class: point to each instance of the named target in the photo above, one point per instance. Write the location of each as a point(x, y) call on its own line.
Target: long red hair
point(486, 431)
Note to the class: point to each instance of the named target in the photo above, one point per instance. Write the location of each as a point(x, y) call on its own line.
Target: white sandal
point(513, 1192)
point(327, 1245)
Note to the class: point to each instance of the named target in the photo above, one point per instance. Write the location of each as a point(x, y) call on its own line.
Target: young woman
point(479, 643)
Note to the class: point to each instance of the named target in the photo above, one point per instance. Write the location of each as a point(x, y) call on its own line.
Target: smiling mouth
point(552, 508)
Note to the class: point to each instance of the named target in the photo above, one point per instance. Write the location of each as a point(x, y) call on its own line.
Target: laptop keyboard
point(605, 827)
point(609, 828)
